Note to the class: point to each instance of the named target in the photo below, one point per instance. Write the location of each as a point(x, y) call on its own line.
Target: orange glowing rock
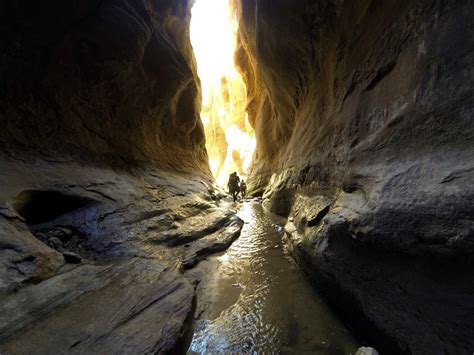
point(230, 140)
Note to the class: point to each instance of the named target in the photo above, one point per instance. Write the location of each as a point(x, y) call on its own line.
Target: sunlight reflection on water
point(275, 309)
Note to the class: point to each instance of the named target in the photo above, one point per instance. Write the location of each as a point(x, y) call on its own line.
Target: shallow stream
point(253, 298)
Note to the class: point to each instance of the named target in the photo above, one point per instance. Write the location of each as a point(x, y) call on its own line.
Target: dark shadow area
point(37, 206)
point(319, 217)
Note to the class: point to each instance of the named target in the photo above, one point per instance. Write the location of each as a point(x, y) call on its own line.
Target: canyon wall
point(109, 82)
point(363, 117)
point(105, 189)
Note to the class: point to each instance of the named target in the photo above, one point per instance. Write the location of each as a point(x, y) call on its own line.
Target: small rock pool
point(253, 298)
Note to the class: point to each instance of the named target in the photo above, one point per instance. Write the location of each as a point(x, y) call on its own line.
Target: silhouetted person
point(243, 189)
point(233, 185)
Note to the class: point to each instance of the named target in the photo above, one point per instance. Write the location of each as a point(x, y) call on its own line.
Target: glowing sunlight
point(230, 140)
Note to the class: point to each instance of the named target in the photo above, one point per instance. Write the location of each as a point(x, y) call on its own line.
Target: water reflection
point(256, 300)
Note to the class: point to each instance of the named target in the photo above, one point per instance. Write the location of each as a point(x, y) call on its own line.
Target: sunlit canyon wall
point(363, 118)
point(230, 139)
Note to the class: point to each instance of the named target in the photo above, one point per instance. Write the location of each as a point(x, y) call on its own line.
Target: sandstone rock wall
point(363, 116)
point(333, 80)
point(105, 188)
point(105, 81)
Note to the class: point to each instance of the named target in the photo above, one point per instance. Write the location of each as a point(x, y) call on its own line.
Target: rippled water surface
point(253, 298)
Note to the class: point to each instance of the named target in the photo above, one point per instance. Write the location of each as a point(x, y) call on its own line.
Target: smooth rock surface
point(97, 81)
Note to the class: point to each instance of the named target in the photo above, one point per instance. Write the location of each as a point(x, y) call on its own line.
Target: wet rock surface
point(212, 243)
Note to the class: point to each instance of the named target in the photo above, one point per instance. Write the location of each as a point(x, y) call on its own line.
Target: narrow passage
point(253, 298)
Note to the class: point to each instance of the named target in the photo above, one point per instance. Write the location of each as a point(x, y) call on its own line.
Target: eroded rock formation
point(96, 275)
point(107, 81)
point(363, 116)
point(105, 188)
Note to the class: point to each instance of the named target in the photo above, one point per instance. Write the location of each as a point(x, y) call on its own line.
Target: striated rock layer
point(105, 190)
point(101, 271)
point(363, 116)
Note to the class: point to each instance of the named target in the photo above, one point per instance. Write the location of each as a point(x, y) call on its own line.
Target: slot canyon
point(351, 123)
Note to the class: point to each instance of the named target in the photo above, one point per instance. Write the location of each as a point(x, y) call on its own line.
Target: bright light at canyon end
point(230, 139)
